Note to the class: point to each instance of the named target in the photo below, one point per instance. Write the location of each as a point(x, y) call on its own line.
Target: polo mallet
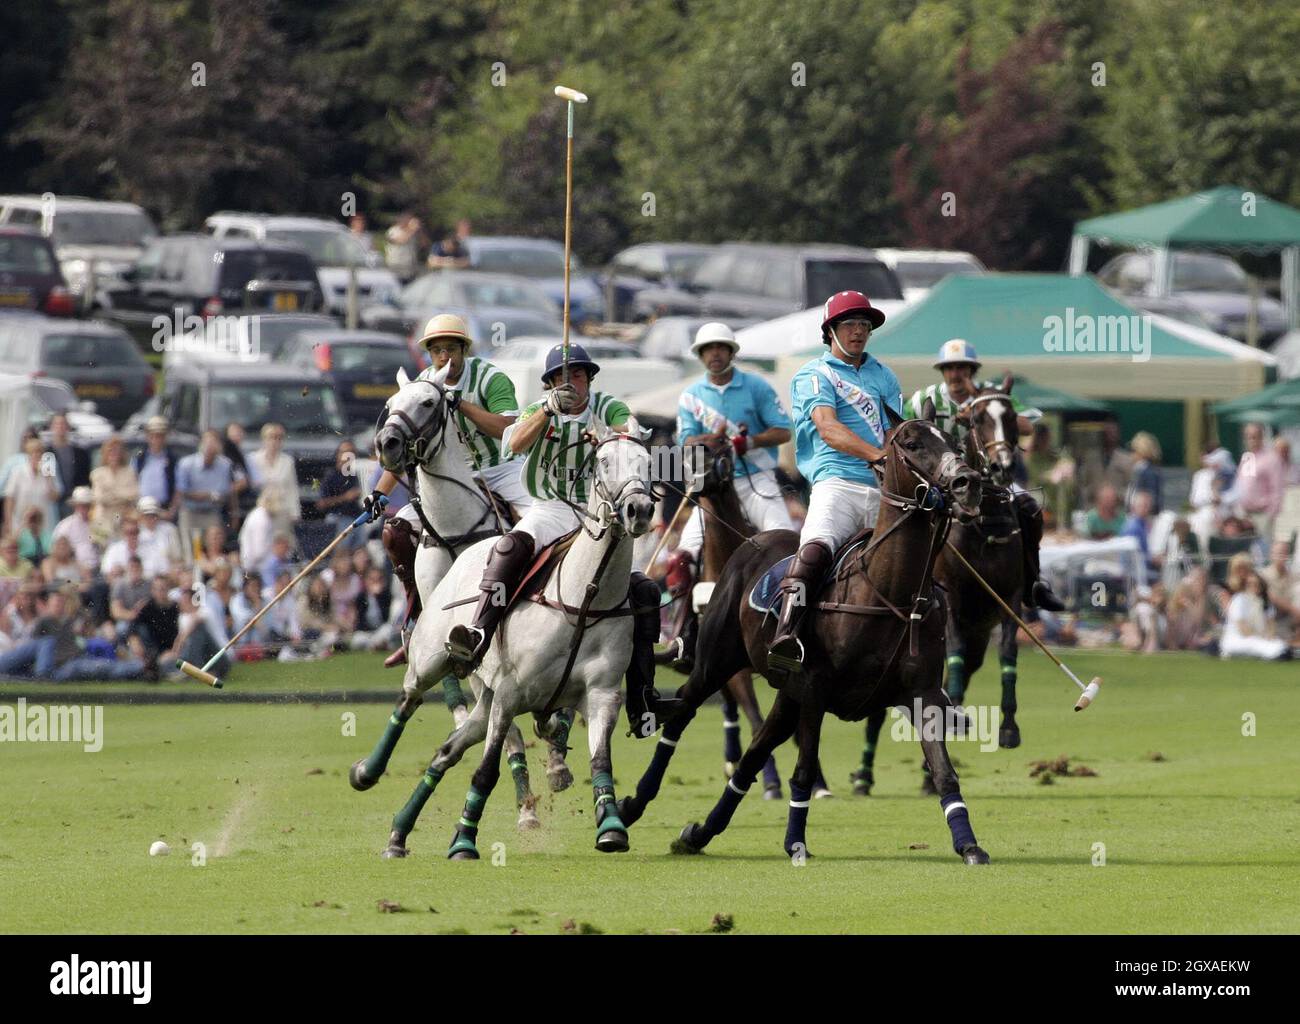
point(573, 96)
point(667, 530)
point(1089, 692)
point(204, 674)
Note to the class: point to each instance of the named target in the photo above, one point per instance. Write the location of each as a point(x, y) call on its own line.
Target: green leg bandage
point(519, 769)
point(607, 819)
point(405, 818)
point(956, 677)
point(1008, 687)
point(467, 827)
point(452, 695)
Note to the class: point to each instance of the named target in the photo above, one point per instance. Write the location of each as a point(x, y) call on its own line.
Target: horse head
point(413, 425)
point(920, 457)
point(622, 478)
point(993, 435)
point(710, 467)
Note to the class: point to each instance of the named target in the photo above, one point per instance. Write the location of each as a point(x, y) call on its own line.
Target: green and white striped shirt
point(486, 386)
point(552, 469)
point(946, 408)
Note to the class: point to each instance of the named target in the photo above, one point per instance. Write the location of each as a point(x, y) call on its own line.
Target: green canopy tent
point(1275, 406)
point(1055, 400)
point(1227, 218)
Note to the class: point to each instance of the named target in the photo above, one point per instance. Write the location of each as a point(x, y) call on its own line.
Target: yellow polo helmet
point(446, 325)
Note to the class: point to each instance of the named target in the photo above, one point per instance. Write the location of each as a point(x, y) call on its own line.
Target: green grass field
point(1205, 840)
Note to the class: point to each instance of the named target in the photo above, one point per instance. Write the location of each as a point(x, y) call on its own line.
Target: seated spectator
point(115, 488)
point(30, 486)
point(1247, 627)
point(128, 595)
point(1192, 615)
point(22, 613)
point(1138, 525)
point(36, 539)
point(345, 588)
point(60, 566)
point(120, 552)
point(95, 594)
point(195, 641)
point(76, 528)
point(243, 606)
point(282, 620)
point(1106, 518)
point(14, 569)
point(1283, 585)
point(213, 551)
point(340, 495)
point(217, 595)
point(55, 652)
point(373, 604)
point(156, 628)
point(158, 537)
point(279, 560)
point(316, 612)
point(1146, 626)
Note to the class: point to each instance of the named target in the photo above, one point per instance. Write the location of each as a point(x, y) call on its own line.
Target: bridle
point(987, 451)
point(609, 506)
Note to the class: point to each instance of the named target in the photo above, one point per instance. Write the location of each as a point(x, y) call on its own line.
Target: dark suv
point(202, 396)
point(181, 276)
point(30, 277)
point(751, 279)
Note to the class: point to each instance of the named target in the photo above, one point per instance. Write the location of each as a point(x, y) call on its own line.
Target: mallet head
point(1089, 694)
point(194, 672)
point(572, 95)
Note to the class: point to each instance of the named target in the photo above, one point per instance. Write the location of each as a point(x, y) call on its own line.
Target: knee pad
point(512, 544)
point(813, 556)
point(1028, 506)
point(400, 542)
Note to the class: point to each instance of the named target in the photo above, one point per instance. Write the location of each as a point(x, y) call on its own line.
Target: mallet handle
point(669, 529)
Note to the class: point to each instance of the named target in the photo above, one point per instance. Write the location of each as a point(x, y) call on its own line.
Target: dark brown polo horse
point(873, 641)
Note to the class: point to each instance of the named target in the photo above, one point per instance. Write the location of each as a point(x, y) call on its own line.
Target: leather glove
point(560, 399)
point(374, 504)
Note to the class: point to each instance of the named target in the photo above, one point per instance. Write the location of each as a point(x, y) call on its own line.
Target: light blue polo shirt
point(747, 398)
point(193, 475)
point(858, 397)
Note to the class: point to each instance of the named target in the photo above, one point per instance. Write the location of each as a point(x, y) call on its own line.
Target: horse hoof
point(821, 793)
point(528, 820)
point(558, 777)
point(463, 855)
point(613, 841)
point(728, 769)
point(395, 850)
point(1009, 737)
point(862, 780)
point(686, 843)
point(358, 778)
point(974, 855)
point(629, 810)
point(773, 792)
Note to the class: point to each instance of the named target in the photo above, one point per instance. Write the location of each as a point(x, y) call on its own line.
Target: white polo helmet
point(446, 325)
point(714, 333)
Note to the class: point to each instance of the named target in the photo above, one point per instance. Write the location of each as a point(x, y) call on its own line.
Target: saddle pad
point(764, 595)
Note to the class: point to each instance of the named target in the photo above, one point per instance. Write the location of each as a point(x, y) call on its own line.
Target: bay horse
point(872, 642)
point(992, 543)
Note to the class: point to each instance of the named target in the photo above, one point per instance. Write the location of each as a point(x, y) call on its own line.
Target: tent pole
point(1291, 285)
point(1079, 245)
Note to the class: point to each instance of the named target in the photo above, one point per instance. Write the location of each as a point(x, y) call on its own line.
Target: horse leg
point(864, 778)
point(778, 727)
point(367, 771)
point(463, 841)
point(454, 697)
point(602, 708)
point(932, 727)
point(518, 763)
point(461, 739)
point(730, 735)
point(555, 731)
point(741, 687)
point(802, 782)
point(1008, 651)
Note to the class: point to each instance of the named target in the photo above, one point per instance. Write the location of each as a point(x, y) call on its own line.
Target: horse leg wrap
point(404, 820)
point(607, 819)
point(519, 770)
point(771, 777)
point(377, 763)
point(796, 824)
point(452, 694)
point(954, 809)
point(647, 787)
point(870, 742)
point(1008, 686)
point(720, 817)
point(956, 677)
point(730, 732)
point(467, 828)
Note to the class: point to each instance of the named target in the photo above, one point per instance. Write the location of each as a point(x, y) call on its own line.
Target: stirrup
point(786, 654)
point(462, 645)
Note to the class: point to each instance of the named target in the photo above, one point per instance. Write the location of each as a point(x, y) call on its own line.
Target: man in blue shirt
point(742, 408)
point(840, 423)
point(205, 487)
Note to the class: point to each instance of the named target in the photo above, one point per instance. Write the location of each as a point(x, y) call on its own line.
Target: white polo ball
point(159, 849)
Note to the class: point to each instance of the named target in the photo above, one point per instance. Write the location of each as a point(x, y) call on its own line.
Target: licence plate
point(373, 390)
point(286, 302)
point(98, 390)
point(15, 297)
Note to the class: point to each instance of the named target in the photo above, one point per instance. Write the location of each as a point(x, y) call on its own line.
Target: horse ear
point(895, 420)
point(928, 411)
point(1007, 382)
point(403, 378)
point(440, 376)
point(633, 428)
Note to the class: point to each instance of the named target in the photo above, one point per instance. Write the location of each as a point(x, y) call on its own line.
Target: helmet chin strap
point(835, 344)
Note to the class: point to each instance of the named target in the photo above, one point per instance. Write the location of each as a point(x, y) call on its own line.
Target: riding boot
point(802, 579)
point(505, 565)
point(401, 542)
point(1037, 594)
point(646, 709)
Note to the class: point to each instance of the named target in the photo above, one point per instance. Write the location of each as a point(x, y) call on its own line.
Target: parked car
point(622, 371)
point(1172, 307)
point(670, 337)
point(184, 276)
point(332, 247)
point(95, 240)
point(1211, 283)
point(919, 270)
point(27, 401)
point(542, 260)
point(97, 360)
point(651, 264)
point(30, 277)
point(750, 279)
point(250, 338)
point(198, 397)
point(498, 307)
point(362, 366)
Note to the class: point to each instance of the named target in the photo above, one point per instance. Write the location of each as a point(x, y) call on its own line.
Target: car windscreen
point(526, 262)
point(302, 409)
point(22, 254)
point(385, 360)
point(239, 266)
point(928, 273)
point(1195, 273)
point(102, 227)
point(826, 277)
point(326, 248)
point(682, 265)
point(87, 351)
point(503, 293)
